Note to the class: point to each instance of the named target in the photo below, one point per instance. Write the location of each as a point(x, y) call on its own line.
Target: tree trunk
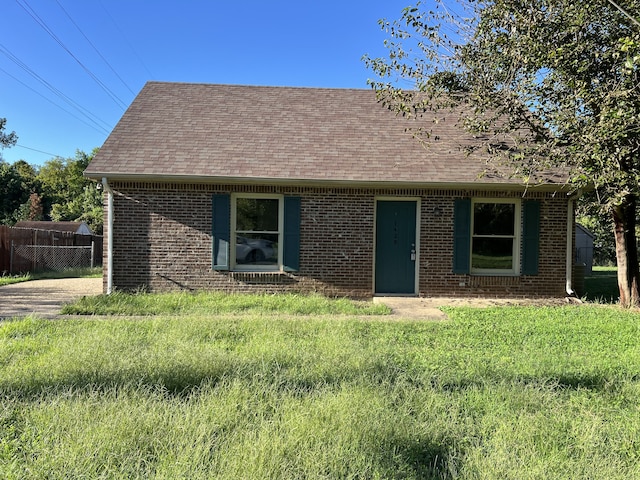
point(624, 229)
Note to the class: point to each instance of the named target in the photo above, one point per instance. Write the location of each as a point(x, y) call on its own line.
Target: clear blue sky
point(72, 99)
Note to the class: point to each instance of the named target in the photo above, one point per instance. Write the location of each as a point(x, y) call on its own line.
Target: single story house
point(246, 188)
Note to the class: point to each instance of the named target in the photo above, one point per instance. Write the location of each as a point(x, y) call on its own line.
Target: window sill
point(494, 280)
point(261, 277)
point(494, 274)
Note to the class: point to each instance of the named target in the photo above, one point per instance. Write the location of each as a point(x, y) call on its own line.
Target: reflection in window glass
point(493, 240)
point(493, 218)
point(492, 253)
point(257, 234)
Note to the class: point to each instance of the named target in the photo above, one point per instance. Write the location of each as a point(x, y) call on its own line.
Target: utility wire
point(95, 48)
point(39, 151)
point(86, 113)
point(124, 37)
point(27, 8)
point(624, 12)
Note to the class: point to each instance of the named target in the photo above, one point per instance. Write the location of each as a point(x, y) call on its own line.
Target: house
point(81, 228)
point(243, 188)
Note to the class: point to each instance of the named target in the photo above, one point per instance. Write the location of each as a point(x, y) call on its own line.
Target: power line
point(86, 113)
point(98, 128)
point(95, 48)
point(39, 151)
point(27, 8)
point(124, 37)
point(624, 12)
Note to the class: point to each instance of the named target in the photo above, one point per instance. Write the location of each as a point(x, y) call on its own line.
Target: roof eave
point(300, 182)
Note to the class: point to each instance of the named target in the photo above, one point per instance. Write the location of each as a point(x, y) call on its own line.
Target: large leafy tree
point(67, 195)
point(57, 190)
point(548, 83)
point(12, 193)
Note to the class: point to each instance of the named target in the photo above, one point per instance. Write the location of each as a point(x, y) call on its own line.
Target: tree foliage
point(548, 83)
point(6, 139)
point(55, 191)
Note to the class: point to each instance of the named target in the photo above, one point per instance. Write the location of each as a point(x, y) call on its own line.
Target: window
point(255, 224)
point(495, 238)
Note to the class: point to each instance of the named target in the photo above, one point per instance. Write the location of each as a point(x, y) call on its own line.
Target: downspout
point(107, 189)
point(570, 249)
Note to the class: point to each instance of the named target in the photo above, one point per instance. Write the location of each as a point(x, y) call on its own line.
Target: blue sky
point(88, 58)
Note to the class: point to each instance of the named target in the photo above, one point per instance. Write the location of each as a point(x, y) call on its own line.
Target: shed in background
point(584, 248)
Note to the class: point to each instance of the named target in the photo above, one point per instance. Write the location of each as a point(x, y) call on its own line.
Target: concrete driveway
point(44, 297)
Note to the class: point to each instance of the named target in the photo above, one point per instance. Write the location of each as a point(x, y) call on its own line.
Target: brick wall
point(162, 241)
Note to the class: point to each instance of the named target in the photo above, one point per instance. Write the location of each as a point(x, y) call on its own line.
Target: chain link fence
point(52, 257)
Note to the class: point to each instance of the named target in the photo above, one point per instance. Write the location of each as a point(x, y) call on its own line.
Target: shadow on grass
point(602, 286)
point(425, 459)
point(190, 381)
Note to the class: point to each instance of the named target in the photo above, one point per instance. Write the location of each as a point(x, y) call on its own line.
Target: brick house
point(242, 188)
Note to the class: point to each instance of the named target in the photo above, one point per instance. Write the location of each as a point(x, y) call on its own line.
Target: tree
point(35, 207)
point(12, 193)
point(559, 79)
point(67, 195)
point(6, 139)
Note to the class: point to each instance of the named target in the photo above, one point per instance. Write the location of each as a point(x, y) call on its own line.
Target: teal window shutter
point(220, 230)
point(461, 235)
point(291, 245)
point(530, 237)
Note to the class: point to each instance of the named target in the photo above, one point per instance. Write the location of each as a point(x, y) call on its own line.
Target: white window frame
point(256, 268)
point(517, 230)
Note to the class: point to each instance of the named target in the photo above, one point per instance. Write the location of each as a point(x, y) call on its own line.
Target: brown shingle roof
point(278, 135)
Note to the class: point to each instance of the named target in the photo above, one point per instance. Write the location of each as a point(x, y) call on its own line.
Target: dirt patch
point(428, 308)
point(44, 298)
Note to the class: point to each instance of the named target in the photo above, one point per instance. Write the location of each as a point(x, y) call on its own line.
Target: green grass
point(602, 285)
point(95, 272)
point(499, 393)
point(9, 279)
point(209, 303)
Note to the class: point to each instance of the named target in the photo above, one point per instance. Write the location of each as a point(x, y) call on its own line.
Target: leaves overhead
point(558, 80)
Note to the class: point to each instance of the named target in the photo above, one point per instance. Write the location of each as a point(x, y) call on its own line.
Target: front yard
point(497, 393)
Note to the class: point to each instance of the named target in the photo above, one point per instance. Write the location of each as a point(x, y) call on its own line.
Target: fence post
point(11, 260)
point(92, 246)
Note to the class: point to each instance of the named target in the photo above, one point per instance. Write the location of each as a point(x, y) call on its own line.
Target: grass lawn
point(498, 393)
point(69, 273)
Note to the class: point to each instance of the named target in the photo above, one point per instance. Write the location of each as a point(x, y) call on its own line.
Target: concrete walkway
point(44, 298)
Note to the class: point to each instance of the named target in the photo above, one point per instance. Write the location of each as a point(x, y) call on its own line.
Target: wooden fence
point(12, 238)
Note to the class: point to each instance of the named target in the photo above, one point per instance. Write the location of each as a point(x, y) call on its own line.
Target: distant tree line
point(54, 191)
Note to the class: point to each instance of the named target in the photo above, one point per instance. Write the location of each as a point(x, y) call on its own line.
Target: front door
point(395, 256)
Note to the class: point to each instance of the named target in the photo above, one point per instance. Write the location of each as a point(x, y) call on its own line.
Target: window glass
point(493, 218)
point(256, 234)
point(494, 240)
point(257, 214)
point(492, 253)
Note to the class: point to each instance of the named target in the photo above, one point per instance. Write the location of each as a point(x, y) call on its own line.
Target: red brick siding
point(162, 241)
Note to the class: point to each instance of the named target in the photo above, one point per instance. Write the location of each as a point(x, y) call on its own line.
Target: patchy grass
point(498, 393)
point(95, 272)
point(10, 279)
point(213, 303)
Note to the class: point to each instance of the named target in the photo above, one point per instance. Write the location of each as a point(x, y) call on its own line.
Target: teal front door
point(395, 258)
